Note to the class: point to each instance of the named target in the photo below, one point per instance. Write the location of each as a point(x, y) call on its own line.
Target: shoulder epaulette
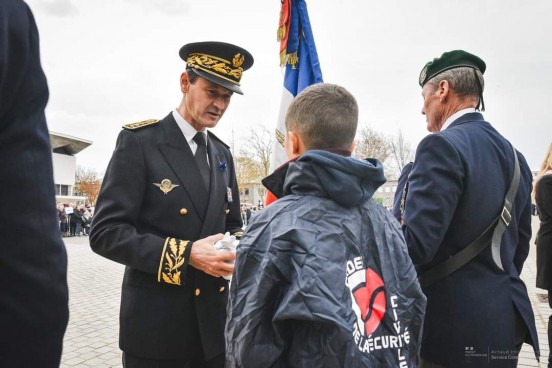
point(140, 124)
point(218, 139)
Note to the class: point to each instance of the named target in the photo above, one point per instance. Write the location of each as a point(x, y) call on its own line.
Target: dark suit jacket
point(543, 197)
point(457, 188)
point(168, 310)
point(33, 262)
point(400, 192)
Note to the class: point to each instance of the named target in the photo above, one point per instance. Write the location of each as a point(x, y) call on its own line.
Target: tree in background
point(259, 147)
point(253, 158)
point(87, 183)
point(247, 170)
point(253, 161)
point(371, 144)
point(393, 152)
point(401, 152)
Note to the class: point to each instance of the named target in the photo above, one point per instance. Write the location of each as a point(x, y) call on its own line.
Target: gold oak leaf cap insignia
point(166, 185)
point(237, 60)
point(219, 62)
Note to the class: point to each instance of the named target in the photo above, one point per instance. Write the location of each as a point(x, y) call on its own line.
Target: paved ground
point(94, 289)
point(91, 339)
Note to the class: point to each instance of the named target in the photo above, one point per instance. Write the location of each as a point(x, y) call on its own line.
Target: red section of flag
point(270, 198)
point(283, 28)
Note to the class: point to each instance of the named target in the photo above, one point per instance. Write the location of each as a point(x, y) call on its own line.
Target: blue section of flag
point(302, 70)
point(307, 71)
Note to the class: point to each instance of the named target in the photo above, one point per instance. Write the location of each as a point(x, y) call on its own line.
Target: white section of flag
point(278, 153)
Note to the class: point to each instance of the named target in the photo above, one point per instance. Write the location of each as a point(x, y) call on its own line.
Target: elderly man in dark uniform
point(466, 215)
point(33, 262)
point(171, 185)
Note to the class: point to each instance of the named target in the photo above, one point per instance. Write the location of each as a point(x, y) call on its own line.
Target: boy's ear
point(294, 145)
point(352, 148)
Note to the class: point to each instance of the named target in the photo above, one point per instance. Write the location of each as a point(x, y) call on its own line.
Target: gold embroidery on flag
point(280, 137)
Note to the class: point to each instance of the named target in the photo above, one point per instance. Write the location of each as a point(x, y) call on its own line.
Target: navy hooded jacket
point(322, 276)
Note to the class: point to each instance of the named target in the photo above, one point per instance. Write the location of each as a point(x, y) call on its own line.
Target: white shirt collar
point(455, 116)
point(188, 131)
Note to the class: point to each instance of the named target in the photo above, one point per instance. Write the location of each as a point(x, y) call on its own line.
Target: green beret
point(450, 60)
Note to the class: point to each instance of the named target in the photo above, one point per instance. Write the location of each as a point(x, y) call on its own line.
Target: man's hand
point(206, 258)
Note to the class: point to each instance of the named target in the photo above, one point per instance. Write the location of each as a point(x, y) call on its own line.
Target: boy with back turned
point(322, 276)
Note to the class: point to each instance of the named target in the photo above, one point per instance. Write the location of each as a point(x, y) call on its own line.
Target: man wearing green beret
point(168, 194)
point(466, 219)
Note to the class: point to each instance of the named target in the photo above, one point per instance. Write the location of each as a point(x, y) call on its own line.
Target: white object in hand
point(227, 244)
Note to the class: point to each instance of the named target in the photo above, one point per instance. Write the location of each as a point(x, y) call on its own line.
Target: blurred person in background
point(542, 193)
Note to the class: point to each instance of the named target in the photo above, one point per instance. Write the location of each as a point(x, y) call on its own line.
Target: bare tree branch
point(372, 144)
point(253, 161)
point(259, 147)
point(401, 152)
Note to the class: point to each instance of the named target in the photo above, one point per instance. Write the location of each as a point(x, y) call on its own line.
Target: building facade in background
point(64, 149)
point(386, 193)
point(252, 194)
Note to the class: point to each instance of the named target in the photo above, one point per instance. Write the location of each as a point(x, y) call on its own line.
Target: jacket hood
point(346, 180)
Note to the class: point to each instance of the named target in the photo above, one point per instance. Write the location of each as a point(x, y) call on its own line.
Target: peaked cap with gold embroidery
point(219, 62)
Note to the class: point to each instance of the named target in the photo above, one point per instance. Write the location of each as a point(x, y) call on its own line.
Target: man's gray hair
point(462, 81)
point(325, 116)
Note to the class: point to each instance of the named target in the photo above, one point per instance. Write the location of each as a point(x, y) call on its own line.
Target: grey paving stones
point(91, 339)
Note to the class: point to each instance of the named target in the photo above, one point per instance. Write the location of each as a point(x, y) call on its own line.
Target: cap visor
point(221, 82)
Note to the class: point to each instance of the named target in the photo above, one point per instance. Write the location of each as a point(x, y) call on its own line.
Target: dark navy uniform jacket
point(456, 189)
point(168, 310)
point(33, 262)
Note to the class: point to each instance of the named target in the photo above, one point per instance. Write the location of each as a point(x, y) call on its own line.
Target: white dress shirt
point(456, 115)
point(188, 131)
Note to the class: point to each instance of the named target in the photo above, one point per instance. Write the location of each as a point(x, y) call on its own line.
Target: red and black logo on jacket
point(377, 325)
point(368, 293)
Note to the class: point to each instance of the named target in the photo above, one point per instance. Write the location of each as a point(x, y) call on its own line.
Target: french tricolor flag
point(298, 55)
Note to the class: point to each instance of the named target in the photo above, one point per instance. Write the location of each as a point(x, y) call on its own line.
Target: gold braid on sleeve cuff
point(173, 262)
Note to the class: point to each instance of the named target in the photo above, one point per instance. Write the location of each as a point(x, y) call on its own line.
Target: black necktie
point(201, 158)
